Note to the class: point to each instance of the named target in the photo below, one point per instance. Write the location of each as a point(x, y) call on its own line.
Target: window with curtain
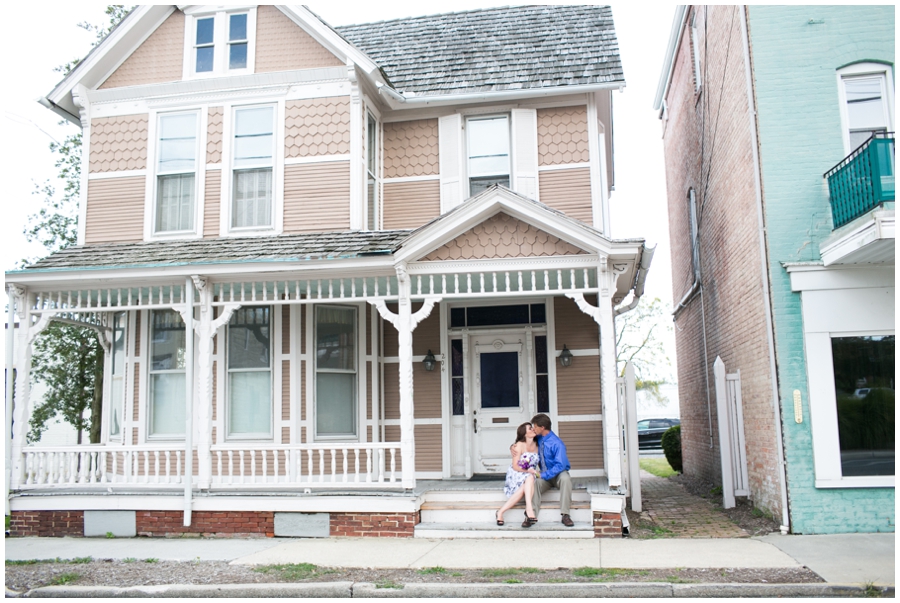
point(176, 172)
point(250, 373)
point(336, 366)
point(252, 163)
point(167, 374)
point(117, 392)
point(488, 148)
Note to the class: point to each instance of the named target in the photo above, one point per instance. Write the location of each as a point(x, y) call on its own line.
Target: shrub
point(671, 445)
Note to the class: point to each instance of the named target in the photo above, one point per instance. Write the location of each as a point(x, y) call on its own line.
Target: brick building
point(771, 273)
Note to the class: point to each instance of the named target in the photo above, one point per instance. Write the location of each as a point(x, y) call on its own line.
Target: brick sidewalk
point(672, 512)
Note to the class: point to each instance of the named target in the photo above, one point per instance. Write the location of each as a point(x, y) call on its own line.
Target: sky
point(637, 206)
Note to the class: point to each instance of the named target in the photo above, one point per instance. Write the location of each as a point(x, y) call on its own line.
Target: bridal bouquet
point(526, 463)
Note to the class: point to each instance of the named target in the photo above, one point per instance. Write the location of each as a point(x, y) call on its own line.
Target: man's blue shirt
point(553, 456)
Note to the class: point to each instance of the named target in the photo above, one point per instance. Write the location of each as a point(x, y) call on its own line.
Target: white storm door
point(500, 398)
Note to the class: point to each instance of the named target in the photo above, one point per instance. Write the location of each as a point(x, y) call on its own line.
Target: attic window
point(220, 43)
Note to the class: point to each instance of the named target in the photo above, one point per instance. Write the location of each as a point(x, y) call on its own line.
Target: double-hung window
point(167, 374)
point(117, 381)
point(176, 173)
point(488, 152)
point(220, 43)
point(372, 208)
point(336, 406)
point(865, 90)
point(252, 167)
point(250, 373)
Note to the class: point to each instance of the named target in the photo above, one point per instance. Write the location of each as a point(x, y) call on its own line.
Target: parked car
point(650, 431)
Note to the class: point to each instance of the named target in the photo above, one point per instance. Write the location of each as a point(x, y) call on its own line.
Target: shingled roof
point(284, 248)
point(491, 50)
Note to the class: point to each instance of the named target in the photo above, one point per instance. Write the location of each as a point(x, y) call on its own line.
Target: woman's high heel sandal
point(500, 522)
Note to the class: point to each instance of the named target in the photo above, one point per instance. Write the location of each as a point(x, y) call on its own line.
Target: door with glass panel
point(500, 399)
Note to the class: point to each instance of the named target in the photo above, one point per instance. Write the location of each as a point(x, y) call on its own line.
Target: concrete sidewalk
point(838, 559)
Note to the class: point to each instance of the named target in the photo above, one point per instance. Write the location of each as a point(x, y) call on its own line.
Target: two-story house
point(333, 270)
point(778, 133)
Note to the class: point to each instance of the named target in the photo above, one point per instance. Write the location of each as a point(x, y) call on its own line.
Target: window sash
point(489, 147)
point(336, 373)
point(167, 375)
point(252, 198)
point(176, 164)
point(250, 395)
point(175, 202)
point(253, 167)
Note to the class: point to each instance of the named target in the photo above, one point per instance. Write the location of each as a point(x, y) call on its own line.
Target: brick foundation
point(607, 525)
point(46, 523)
point(390, 525)
point(221, 524)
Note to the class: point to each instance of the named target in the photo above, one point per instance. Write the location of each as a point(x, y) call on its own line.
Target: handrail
point(863, 180)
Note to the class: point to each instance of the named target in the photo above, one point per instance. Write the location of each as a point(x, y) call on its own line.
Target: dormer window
point(220, 43)
point(488, 145)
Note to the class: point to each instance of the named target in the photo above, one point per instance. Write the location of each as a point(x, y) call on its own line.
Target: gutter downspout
point(46, 102)
point(189, 398)
point(503, 95)
point(646, 259)
point(770, 331)
point(10, 328)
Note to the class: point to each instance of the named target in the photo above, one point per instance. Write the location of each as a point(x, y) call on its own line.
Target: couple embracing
point(539, 463)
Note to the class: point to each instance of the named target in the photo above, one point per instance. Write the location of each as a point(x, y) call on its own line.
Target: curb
point(432, 590)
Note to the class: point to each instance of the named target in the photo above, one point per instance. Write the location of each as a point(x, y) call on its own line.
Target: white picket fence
point(367, 465)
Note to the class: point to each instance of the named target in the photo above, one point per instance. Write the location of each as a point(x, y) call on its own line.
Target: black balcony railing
point(863, 180)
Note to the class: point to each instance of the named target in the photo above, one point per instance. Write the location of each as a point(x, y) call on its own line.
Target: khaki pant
point(563, 482)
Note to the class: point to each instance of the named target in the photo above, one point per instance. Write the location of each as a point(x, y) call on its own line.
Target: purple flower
point(525, 464)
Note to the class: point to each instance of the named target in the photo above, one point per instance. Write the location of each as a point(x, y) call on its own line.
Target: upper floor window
point(176, 167)
point(488, 148)
point(866, 90)
point(372, 205)
point(221, 43)
point(252, 167)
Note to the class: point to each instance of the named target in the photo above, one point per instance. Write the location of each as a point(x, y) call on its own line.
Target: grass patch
point(512, 581)
point(603, 574)
point(531, 570)
point(558, 581)
point(658, 467)
point(659, 531)
point(66, 578)
point(129, 560)
point(388, 584)
point(433, 570)
point(151, 560)
point(456, 574)
point(678, 580)
point(871, 590)
point(82, 560)
point(290, 571)
point(500, 572)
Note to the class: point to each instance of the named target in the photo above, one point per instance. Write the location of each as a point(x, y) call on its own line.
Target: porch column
point(405, 322)
point(603, 316)
point(21, 410)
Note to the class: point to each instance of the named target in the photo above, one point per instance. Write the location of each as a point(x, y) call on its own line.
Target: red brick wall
point(400, 525)
point(607, 525)
point(46, 523)
point(708, 148)
point(207, 523)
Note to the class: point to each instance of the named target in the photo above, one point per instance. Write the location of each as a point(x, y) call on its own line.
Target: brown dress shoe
point(567, 521)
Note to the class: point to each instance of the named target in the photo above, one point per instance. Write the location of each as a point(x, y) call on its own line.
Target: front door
point(500, 397)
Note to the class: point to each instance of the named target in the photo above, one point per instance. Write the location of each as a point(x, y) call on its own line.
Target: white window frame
point(220, 40)
point(373, 172)
point(468, 148)
point(277, 165)
point(359, 410)
point(150, 372)
point(152, 183)
point(269, 435)
point(860, 70)
point(115, 380)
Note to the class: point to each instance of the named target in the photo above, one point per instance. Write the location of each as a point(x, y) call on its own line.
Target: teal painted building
point(821, 82)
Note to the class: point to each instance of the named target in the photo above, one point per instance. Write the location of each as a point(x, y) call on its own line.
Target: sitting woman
point(521, 474)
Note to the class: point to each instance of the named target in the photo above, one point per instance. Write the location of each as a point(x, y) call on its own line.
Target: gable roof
point(493, 50)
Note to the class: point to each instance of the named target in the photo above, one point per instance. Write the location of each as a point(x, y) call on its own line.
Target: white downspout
point(646, 259)
point(189, 397)
point(10, 335)
point(776, 406)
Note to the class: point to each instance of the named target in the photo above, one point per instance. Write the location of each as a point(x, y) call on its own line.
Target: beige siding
point(215, 387)
point(159, 59)
point(118, 143)
point(426, 392)
point(317, 197)
point(562, 135)
point(574, 328)
point(282, 45)
point(569, 191)
point(584, 443)
point(428, 446)
point(578, 387)
point(214, 126)
point(317, 126)
point(411, 148)
point(212, 203)
point(285, 390)
point(137, 334)
point(115, 210)
point(411, 204)
point(502, 236)
point(285, 329)
point(392, 390)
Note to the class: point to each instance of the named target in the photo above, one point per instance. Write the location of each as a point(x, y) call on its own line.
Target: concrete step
point(512, 529)
point(435, 496)
point(487, 515)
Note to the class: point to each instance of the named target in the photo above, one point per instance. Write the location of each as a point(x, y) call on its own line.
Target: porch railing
point(367, 465)
point(863, 180)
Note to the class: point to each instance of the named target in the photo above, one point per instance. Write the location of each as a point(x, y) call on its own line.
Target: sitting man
point(554, 469)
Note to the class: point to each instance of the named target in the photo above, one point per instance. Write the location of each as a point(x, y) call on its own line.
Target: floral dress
point(515, 479)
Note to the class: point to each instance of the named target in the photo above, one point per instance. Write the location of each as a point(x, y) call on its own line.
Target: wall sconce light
point(565, 357)
point(429, 361)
